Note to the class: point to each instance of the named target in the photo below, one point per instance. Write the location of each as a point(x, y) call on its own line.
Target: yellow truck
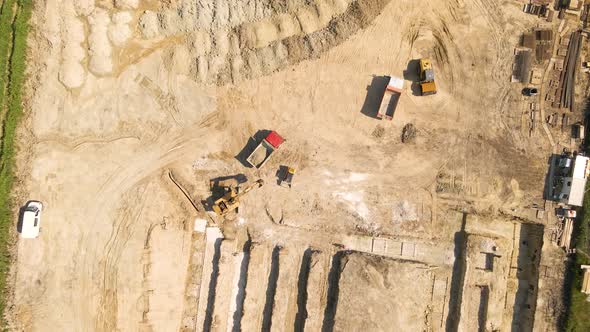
point(427, 85)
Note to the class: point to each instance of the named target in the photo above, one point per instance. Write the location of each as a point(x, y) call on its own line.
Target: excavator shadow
point(253, 141)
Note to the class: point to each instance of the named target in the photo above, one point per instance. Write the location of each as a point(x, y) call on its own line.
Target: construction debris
point(567, 218)
point(586, 281)
point(522, 66)
point(539, 10)
point(568, 76)
point(408, 133)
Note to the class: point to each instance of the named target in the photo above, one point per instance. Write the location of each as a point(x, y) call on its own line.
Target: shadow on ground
point(375, 92)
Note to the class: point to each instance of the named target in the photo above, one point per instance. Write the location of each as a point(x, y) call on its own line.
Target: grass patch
point(578, 309)
point(14, 28)
point(577, 314)
point(6, 24)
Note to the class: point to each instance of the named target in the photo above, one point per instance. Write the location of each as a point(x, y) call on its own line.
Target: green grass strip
point(13, 79)
point(578, 309)
point(6, 24)
point(577, 314)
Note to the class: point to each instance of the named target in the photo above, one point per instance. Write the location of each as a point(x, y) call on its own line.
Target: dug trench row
point(302, 292)
point(338, 262)
point(229, 266)
point(256, 285)
point(271, 289)
point(210, 272)
point(311, 289)
point(285, 299)
point(236, 307)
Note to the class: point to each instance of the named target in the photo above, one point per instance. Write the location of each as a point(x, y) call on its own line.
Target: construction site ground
point(127, 95)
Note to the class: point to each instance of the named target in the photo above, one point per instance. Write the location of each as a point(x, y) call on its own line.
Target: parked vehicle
point(31, 222)
point(530, 92)
point(390, 98)
point(427, 85)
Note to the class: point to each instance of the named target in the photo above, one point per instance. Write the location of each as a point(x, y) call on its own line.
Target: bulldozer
point(231, 200)
point(427, 85)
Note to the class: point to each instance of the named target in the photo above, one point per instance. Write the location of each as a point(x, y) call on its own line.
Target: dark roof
point(544, 34)
point(529, 40)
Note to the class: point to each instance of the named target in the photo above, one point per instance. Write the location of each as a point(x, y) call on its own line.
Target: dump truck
point(264, 149)
point(231, 200)
point(427, 85)
point(390, 98)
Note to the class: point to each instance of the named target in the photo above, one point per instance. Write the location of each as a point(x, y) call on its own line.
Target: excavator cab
point(222, 207)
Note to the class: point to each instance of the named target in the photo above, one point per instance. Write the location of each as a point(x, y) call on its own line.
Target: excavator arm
point(256, 184)
point(231, 200)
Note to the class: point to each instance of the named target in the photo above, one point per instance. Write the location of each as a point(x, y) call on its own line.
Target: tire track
point(121, 233)
point(492, 14)
point(146, 162)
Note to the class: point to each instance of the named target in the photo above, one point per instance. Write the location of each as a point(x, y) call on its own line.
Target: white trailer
point(391, 96)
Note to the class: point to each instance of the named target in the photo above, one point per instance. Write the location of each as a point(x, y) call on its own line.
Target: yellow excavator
point(231, 200)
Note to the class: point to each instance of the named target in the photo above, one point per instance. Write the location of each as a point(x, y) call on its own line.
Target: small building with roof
point(569, 176)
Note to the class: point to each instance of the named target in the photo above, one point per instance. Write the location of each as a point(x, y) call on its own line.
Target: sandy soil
point(374, 294)
point(124, 91)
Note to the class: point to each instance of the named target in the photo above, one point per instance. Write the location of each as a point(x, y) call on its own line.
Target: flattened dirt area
point(125, 91)
point(377, 294)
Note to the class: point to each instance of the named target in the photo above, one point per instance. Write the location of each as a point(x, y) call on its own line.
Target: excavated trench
point(271, 290)
point(338, 263)
point(302, 281)
point(242, 283)
point(212, 286)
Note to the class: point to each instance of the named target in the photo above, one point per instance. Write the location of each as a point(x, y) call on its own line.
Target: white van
point(31, 220)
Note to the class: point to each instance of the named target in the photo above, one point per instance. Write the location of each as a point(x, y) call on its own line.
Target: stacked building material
point(568, 75)
point(539, 10)
point(522, 66)
point(543, 38)
point(586, 281)
point(529, 40)
point(544, 34)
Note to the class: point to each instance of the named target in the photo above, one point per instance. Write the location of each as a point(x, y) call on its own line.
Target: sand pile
point(119, 30)
point(100, 49)
point(231, 41)
point(224, 42)
point(72, 73)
